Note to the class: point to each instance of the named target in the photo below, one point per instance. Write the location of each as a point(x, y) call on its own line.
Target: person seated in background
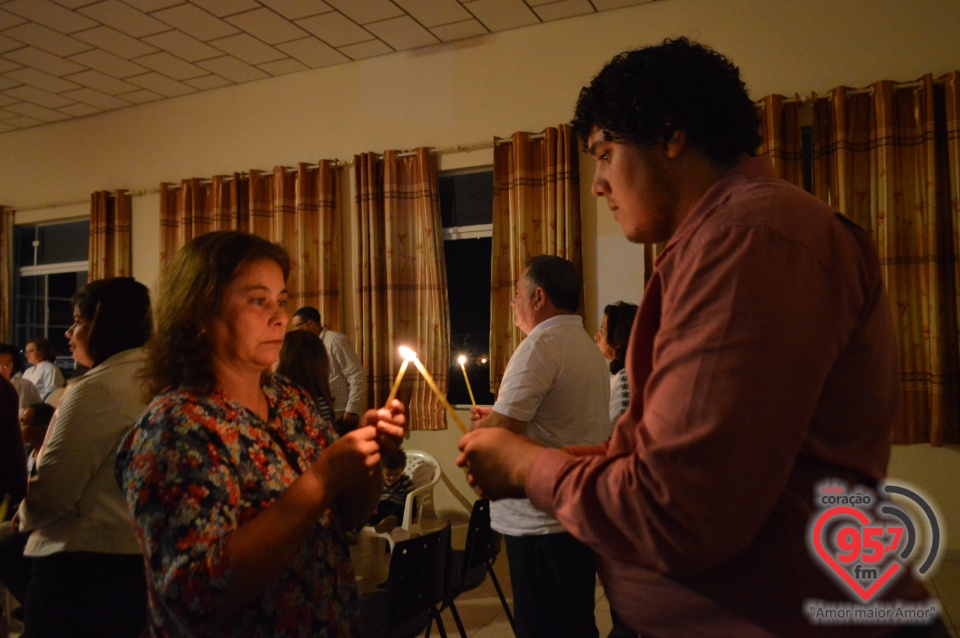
point(34, 421)
point(14, 566)
point(241, 494)
point(396, 486)
point(304, 360)
point(612, 339)
point(43, 373)
point(13, 476)
point(87, 568)
point(10, 368)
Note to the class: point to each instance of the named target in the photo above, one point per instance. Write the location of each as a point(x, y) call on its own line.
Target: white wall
point(468, 92)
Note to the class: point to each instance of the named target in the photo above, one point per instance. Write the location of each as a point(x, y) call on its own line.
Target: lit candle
point(407, 354)
point(436, 390)
point(462, 360)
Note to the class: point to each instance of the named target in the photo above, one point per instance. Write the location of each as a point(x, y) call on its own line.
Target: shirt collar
point(558, 320)
point(746, 170)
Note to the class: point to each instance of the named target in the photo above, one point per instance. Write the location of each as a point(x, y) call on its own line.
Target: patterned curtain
point(782, 140)
point(109, 234)
point(889, 158)
point(402, 284)
point(536, 211)
point(6, 274)
point(198, 206)
point(297, 208)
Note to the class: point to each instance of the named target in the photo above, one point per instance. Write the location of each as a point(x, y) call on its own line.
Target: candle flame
point(462, 359)
point(407, 353)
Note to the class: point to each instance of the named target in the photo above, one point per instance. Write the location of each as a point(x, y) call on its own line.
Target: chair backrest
point(483, 544)
point(417, 571)
point(424, 471)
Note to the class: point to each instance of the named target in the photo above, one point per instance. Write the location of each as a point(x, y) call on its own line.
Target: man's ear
point(674, 141)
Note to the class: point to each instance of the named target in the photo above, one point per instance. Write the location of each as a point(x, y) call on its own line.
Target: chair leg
point(503, 599)
point(456, 619)
point(440, 627)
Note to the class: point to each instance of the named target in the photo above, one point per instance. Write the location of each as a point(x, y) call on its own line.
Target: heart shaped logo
point(852, 554)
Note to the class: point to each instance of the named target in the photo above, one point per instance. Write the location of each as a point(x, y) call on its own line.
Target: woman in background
point(241, 494)
point(612, 339)
point(43, 374)
point(304, 360)
point(87, 570)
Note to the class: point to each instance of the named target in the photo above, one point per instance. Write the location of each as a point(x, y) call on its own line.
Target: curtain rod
point(137, 193)
point(864, 91)
point(458, 148)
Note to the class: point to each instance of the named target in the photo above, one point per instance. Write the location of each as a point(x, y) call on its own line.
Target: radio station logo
point(865, 544)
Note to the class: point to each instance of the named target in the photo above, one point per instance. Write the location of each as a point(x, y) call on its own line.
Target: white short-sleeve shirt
point(558, 383)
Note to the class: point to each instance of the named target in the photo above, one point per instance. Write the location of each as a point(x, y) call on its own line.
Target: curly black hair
point(645, 95)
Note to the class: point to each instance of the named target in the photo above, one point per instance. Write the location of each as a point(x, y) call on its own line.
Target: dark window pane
point(468, 281)
point(63, 242)
point(466, 200)
point(46, 300)
point(23, 245)
point(806, 150)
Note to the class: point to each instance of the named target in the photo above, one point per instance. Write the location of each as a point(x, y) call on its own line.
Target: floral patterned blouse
point(198, 467)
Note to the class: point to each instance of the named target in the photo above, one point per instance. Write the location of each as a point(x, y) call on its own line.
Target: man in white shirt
point(10, 369)
point(44, 373)
point(556, 391)
point(348, 381)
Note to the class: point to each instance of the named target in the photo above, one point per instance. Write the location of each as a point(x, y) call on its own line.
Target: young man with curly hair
point(762, 362)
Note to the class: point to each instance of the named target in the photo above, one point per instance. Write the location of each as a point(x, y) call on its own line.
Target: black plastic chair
point(409, 602)
point(467, 568)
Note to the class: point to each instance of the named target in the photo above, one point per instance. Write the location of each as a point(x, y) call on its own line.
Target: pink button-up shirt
point(763, 359)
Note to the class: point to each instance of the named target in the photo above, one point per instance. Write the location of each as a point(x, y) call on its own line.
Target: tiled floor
point(483, 616)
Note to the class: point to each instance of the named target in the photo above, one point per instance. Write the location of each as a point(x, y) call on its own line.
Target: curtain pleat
point(402, 286)
point(297, 208)
point(109, 234)
point(887, 158)
point(199, 206)
point(6, 274)
point(782, 140)
point(536, 211)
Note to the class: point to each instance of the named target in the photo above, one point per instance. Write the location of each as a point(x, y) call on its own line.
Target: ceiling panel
point(124, 18)
point(335, 29)
point(433, 13)
point(267, 25)
point(50, 15)
point(402, 33)
point(112, 41)
point(45, 38)
point(75, 58)
point(183, 46)
point(107, 63)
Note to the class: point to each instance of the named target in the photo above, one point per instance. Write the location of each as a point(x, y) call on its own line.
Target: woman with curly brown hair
point(241, 494)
